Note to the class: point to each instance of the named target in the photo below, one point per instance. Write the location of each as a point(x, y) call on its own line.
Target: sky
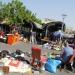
point(52, 9)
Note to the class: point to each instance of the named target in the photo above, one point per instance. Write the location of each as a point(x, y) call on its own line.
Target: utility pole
point(63, 19)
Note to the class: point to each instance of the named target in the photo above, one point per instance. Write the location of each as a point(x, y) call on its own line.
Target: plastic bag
point(51, 65)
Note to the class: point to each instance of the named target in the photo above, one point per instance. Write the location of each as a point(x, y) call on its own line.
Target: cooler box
point(10, 39)
point(36, 54)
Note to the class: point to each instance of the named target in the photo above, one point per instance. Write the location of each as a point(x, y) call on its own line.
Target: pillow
point(51, 65)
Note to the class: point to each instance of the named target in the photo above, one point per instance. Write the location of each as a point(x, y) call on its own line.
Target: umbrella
point(58, 34)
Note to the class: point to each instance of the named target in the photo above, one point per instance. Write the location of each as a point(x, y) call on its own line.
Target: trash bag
point(13, 55)
point(4, 53)
point(51, 65)
point(22, 59)
point(18, 52)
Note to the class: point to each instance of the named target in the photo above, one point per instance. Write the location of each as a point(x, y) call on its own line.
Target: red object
point(10, 39)
point(35, 48)
point(14, 63)
point(36, 54)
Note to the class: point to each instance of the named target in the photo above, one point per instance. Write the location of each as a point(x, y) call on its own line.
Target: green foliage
point(15, 12)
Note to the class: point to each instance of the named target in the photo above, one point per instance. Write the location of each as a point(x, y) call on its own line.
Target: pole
point(46, 31)
point(63, 18)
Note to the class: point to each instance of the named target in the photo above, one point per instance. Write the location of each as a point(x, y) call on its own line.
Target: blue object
point(51, 65)
point(68, 51)
point(58, 34)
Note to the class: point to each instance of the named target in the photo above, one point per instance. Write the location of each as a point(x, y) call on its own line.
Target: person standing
point(33, 37)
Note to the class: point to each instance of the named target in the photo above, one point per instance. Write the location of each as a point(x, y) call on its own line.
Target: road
point(26, 47)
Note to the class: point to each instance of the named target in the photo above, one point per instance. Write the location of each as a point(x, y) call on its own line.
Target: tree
point(15, 12)
point(1, 10)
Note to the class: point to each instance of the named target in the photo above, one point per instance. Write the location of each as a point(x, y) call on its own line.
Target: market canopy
point(54, 26)
point(39, 26)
